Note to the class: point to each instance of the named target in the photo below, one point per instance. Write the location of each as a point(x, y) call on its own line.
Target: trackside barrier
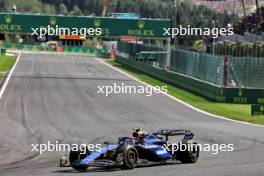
point(2, 51)
point(244, 72)
point(257, 109)
point(202, 88)
point(84, 50)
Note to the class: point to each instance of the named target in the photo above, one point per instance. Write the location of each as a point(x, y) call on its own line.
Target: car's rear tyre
point(77, 156)
point(189, 155)
point(130, 158)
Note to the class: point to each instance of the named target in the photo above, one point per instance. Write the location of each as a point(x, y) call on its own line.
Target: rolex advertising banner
point(257, 109)
point(23, 23)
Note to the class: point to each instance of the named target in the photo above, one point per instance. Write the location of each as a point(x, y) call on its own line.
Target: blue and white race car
point(129, 152)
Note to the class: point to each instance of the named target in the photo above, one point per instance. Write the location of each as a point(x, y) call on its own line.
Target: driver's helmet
point(139, 133)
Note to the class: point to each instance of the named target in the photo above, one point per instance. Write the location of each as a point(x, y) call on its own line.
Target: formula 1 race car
point(142, 147)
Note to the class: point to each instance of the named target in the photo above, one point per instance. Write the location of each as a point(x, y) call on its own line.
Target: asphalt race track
point(54, 97)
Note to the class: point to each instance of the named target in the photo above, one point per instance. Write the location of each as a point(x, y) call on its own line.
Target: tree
point(97, 9)
point(1, 5)
point(76, 10)
point(62, 9)
point(118, 6)
point(48, 9)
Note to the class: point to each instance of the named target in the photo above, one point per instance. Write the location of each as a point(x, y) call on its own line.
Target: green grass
point(233, 111)
point(6, 63)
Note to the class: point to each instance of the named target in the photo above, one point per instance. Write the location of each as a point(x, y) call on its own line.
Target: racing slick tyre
point(190, 154)
point(76, 156)
point(130, 158)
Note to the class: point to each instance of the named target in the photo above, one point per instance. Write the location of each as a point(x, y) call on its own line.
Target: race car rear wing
point(187, 133)
point(172, 132)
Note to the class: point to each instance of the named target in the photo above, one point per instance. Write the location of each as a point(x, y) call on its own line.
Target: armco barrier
point(84, 50)
point(204, 89)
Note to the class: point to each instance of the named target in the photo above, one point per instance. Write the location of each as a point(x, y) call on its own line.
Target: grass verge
point(6, 63)
point(233, 111)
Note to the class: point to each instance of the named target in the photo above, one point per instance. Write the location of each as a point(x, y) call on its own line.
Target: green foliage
point(62, 9)
point(198, 45)
point(76, 11)
point(6, 63)
point(185, 11)
point(48, 9)
point(90, 42)
point(33, 6)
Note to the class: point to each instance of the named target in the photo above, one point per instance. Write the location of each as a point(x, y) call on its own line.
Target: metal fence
point(249, 72)
point(201, 66)
point(240, 71)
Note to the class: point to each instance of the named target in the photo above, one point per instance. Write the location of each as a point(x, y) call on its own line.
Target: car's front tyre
point(130, 158)
point(76, 156)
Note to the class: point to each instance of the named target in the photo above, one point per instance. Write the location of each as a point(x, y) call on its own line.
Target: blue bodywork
point(153, 144)
point(150, 148)
point(96, 154)
point(130, 151)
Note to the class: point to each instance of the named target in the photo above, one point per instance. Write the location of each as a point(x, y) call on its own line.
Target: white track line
point(9, 76)
point(178, 100)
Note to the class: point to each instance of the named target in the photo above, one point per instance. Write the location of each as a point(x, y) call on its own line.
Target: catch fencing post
point(225, 70)
point(168, 55)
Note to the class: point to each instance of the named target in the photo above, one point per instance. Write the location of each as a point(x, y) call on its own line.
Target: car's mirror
point(106, 143)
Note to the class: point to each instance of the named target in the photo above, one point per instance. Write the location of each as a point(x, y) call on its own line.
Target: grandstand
point(253, 23)
point(248, 40)
point(231, 6)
